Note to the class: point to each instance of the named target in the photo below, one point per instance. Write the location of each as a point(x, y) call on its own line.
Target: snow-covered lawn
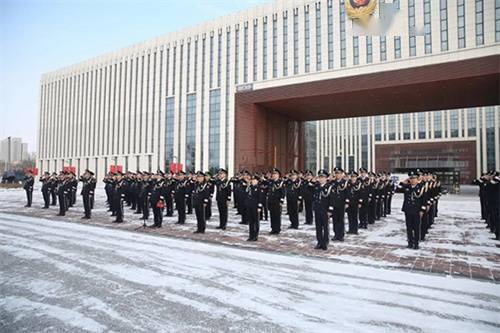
point(68, 277)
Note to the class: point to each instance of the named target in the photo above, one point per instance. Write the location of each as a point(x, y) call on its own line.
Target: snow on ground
point(458, 244)
point(69, 277)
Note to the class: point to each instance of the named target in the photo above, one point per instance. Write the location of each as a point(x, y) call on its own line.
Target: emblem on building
point(360, 10)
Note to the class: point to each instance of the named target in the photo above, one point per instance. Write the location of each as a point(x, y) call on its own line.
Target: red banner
point(34, 171)
point(176, 167)
point(69, 169)
point(115, 168)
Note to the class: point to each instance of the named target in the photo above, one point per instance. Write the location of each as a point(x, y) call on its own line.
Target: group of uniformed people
point(363, 196)
point(489, 196)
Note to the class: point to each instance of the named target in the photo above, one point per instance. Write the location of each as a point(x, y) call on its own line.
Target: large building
point(175, 98)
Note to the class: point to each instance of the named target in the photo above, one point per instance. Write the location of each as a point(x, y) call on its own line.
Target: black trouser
point(253, 222)
point(181, 210)
point(322, 228)
point(275, 213)
point(46, 198)
point(293, 212)
point(413, 228)
point(424, 225)
point(308, 205)
point(29, 197)
point(264, 211)
point(139, 205)
point(145, 207)
point(388, 200)
point(189, 204)
point(222, 206)
point(338, 223)
point(169, 206)
point(87, 204)
point(363, 215)
point(158, 216)
point(352, 216)
point(371, 212)
point(62, 203)
point(118, 203)
point(54, 198)
point(200, 218)
point(208, 210)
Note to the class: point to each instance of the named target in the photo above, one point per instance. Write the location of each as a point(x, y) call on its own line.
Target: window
point(497, 20)
point(307, 39)
point(378, 128)
point(318, 37)
point(392, 127)
point(364, 142)
point(214, 129)
point(427, 27)
point(438, 124)
point(237, 56)
point(255, 49)
point(411, 28)
point(397, 39)
point(211, 61)
point(264, 49)
point(406, 127)
point(343, 55)
point(479, 22)
point(330, 34)
point(461, 23)
point(285, 44)
point(443, 16)
point(310, 139)
point(275, 47)
point(228, 93)
point(245, 53)
point(490, 138)
point(169, 129)
point(195, 66)
point(421, 125)
point(355, 50)
point(219, 60)
point(190, 131)
point(471, 122)
point(369, 50)
point(202, 106)
point(454, 123)
point(383, 48)
point(296, 42)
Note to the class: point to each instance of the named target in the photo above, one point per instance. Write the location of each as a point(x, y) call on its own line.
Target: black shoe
point(317, 247)
point(324, 247)
point(415, 247)
point(60, 214)
point(218, 228)
point(152, 226)
point(118, 221)
point(45, 207)
point(85, 217)
point(410, 246)
point(249, 239)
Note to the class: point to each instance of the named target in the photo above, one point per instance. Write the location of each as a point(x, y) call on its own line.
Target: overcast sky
point(38, 36)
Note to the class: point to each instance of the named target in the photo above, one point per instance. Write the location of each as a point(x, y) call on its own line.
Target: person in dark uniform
point(275, 200)
point(109, 188)
point(211, 186)
point(293, 196)
point(492, 198)
point(180, 195)
point(253, 206)
point(119, 195)
point(264, 190)
point(72, 189)
point(53, 189)
point(308, 188)
point(340, 203)
point(169, 185)
point(29, 181)
point(201, 196)
point(242, 185)
point(389, 194)
point(323, 209)
point(145, 194)
point(45, 180)
point(157, 199)
point(413, 207)
point(88, 188)
point(354, 191)
point(363, 198)
point(481, 182)
point(190, 184)
point(62, 190)
point(223, 197)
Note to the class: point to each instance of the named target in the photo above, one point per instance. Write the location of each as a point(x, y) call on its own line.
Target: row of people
point(489, 197)
point(364, 196)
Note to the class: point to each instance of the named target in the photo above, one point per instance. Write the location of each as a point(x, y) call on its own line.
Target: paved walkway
point(458, 244)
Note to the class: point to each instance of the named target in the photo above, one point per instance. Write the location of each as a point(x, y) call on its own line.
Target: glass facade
point(190, 131)
point(461, 23)
point(427, 27)
point(479, 22)
point(343, 52)
point(214, 130)
point(318, 38)
point(307, 40)
point(169, 130)
point(443, 18)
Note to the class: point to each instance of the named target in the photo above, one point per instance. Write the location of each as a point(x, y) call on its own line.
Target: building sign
point(360, 10)
point(244, 87)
